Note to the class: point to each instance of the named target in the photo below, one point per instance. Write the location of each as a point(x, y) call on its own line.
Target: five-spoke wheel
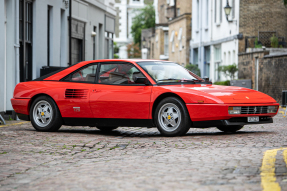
point(172, 117)
point(45, 115)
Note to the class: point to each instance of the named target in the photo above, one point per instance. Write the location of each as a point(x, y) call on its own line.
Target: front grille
point(254, 109)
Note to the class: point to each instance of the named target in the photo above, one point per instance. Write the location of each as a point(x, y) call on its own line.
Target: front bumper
point(215, 112)
point(230, 122)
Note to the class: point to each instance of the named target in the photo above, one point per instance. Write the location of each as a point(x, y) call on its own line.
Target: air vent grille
point(76, 93)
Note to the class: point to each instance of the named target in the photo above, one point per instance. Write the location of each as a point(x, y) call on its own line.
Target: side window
point(87, 74)
point(119, 73)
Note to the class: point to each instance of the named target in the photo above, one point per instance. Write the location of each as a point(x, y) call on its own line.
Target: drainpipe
point(5, 58)
point(17, 45)
point(200, 42)
point(70, 32)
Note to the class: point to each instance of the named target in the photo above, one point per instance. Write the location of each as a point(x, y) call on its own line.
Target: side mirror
point(141, 80)
point(206, 79)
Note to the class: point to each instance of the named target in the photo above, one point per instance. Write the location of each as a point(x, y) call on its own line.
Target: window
point(49, 32)
point(197, 24)
point(217, 60)
point(195, 56)
point(179, 39)
point(215, 11)
point(220, 10)
point(233, 9)
point(207, 13)
point(172, 41)
point(94, 43)
point(207, 61)
point(178, 12)
point(166, 43)
point(119, 73)
point(109, 45)
point(86, 74)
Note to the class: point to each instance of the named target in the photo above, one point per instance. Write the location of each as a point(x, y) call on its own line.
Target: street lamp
point(227, 10)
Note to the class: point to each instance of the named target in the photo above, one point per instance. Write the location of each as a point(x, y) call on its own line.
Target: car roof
point(59, 75)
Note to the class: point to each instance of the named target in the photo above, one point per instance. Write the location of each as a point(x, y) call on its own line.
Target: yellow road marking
point(268, 179)
point(14, 124)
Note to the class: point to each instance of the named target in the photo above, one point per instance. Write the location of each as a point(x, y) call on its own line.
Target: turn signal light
point(272, 109)
point(234, 110)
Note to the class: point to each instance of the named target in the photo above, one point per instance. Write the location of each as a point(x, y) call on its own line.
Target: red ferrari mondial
point(142, 93)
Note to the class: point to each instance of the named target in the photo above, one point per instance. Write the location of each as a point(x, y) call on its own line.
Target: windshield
point(162, 72)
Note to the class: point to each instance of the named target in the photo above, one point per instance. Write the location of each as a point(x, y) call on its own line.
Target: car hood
point(225, 94)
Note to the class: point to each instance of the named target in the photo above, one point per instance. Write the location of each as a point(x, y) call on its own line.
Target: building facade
point(214, 38)
point(217, 40)
point(35, 34)
point(126, 10)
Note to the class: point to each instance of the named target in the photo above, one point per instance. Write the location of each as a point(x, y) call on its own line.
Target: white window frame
point(172, 41)
point(180, 38)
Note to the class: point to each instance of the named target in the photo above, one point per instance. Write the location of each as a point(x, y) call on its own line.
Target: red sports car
point(142, 93)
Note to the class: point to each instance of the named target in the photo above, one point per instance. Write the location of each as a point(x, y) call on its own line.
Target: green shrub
point(223, 83)
point(274, 41)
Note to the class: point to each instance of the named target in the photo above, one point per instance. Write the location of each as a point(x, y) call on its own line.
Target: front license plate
point(253, 119)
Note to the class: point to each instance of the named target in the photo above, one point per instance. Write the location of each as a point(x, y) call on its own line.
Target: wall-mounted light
point(66, 2)
point(227, 10)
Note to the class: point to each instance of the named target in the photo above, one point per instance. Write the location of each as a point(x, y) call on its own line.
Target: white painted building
point(34, 33)
point(214, 39)
point(126, 11)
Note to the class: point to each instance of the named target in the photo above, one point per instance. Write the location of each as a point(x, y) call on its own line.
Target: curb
point(12, 124)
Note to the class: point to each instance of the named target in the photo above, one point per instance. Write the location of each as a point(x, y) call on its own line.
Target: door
point(76, 90)
point(117, 95)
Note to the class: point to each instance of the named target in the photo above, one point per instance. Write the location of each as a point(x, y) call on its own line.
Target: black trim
point(108, 122)
point(179, 83)
point(23, 117)
point(50, 74)
point(230, 122)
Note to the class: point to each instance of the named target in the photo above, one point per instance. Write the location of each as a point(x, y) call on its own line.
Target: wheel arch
point(38, 95)
point(161, 97)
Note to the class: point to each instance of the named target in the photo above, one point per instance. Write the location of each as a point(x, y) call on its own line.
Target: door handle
point(94, 91)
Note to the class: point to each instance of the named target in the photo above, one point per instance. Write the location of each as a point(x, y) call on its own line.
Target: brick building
point(261, 19)
point(170, 41)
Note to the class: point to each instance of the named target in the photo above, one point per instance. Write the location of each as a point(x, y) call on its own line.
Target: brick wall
point(261, 15)
point(272, 72)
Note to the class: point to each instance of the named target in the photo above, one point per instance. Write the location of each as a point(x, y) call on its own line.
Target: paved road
point(83, 158)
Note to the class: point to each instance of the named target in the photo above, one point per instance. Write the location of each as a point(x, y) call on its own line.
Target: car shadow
point(144, 133)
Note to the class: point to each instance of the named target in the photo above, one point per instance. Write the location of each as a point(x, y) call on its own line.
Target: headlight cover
point(272, 109)
point(234, 110)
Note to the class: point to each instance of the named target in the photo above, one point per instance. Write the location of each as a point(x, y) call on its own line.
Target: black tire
point(168, 108)
point(230, 129)
point(52, 124)
point(106, 129)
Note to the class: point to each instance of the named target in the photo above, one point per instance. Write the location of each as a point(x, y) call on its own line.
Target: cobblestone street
point(84, 158)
